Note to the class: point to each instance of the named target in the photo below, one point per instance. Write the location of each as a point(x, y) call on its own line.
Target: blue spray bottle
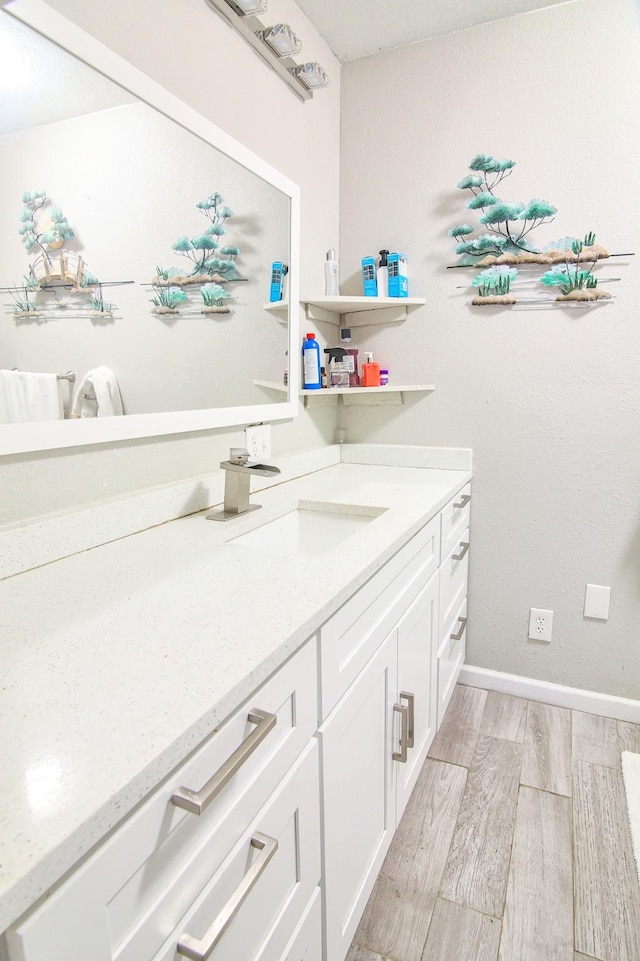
point(311, 363)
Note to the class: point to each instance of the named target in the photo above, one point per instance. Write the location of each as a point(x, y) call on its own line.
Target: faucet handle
point(238, 455)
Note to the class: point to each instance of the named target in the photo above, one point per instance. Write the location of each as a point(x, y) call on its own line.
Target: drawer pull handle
point(411, 703)
point(401, 755)
point(199, 949)
point(465, 547)
point(462, 621)
point(196, 802)
point(464, 500)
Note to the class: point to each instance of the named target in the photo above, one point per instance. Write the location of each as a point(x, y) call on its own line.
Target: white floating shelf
point(359, 311)
point(279, 309)
point(272, 385)
point(363, 396)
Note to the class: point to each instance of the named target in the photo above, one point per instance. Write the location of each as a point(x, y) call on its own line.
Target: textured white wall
point(548, 400)
point(189, 49)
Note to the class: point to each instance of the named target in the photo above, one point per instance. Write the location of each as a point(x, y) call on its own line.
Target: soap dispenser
point(370, 372)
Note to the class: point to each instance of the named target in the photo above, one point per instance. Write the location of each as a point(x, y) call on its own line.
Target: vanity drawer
point(133, 890)
point(455, 519)
point(453, 581)
point(450, 658)
point(286, 880)
point(356, 630)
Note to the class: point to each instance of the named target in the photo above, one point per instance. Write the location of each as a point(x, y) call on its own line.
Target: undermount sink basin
point(310, 528)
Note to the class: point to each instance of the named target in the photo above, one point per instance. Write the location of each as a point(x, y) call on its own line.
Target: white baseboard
point(606, 705)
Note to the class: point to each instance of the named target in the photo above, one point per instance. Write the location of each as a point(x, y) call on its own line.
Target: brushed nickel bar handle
point(401, 755)
point(411, 703)
point(462, 621)
point(464, 500)
point(196, 802)
point(199, 949)
point(465, 547)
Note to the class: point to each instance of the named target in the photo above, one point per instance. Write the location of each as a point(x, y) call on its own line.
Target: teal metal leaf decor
point(503, 242)
point(210, 265)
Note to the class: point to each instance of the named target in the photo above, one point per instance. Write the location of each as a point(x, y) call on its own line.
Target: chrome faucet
point(237, 481)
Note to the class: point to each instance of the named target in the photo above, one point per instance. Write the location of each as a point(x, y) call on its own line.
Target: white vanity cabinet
point(387, 665)
point(170, 882)
point(375, 738)
point(299, 791)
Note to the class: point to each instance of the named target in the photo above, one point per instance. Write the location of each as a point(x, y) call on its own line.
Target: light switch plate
point(596, 601)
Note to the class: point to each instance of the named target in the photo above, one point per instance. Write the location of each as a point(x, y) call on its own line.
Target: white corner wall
point(190, 50)
point(548, 400)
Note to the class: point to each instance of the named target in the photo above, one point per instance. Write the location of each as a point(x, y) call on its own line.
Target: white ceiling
point(359, 28)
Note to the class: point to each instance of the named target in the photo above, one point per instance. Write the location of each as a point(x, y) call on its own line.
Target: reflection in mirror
point(134, 254)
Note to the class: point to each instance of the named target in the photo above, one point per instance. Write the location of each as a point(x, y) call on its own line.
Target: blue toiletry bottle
point(311, 363)
point(369, 282)
point(278, 272)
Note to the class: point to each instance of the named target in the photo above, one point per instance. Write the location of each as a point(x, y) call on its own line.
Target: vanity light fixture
point(275, 45)
point(247, 8)
point(282, 40)
point(311, 75)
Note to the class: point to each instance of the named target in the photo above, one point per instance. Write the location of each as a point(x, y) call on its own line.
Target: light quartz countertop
point(119, 660)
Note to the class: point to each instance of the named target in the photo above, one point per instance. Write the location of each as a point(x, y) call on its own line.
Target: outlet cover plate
point(540, 624)
point(258, 441)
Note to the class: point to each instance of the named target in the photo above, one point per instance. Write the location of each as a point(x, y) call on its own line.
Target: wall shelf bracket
point(344, 311)
point(363, 396)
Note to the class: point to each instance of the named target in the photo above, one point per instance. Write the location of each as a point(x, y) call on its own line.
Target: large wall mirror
point(137, 243)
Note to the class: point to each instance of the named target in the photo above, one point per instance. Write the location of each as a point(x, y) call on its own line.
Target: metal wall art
point(516, 271)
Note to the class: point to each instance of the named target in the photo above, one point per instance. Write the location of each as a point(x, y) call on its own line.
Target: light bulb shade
point(248, 8)
point(311, 75)
point(282, 40)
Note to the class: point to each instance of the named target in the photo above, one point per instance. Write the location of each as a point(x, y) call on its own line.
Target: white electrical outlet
point(257, 440)
point(266, 442)
point(540, 624)
point(253, 442)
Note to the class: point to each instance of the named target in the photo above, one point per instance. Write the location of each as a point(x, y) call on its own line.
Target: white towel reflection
point(98, 395)
point(27, 396)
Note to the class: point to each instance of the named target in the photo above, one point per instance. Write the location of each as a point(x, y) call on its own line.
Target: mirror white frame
point(49, 435)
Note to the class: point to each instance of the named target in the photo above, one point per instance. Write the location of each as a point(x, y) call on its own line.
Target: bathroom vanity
point(211, 730)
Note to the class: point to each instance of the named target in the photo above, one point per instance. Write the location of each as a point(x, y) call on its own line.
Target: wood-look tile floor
point(515, 845)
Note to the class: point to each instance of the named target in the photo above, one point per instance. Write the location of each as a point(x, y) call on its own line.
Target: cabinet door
point(306, 943)
point(417, 680)
point(358, 777)
point(350, 637)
